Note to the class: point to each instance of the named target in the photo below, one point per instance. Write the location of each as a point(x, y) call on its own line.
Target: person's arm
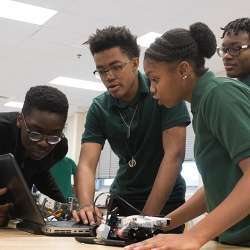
point(174, 148)
point(86, 170)
point(232, 210)
point(192, 208)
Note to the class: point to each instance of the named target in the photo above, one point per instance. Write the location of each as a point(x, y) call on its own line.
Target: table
point(13, 239)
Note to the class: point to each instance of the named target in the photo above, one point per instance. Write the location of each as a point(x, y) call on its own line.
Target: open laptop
point(26, 209)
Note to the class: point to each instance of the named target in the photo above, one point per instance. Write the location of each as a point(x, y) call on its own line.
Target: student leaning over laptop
point(148, 139)
point(35, 138)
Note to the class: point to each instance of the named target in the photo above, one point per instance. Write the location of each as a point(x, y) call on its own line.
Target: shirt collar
point(246, 80)
point(143, 91)
point(200, 88)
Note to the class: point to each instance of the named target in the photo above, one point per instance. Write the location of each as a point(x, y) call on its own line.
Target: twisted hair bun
point(204, 38)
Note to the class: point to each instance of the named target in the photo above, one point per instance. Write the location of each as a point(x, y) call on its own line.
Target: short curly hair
point(193, 45)
point(111, 37)
point(236, 26)
point(46, 98)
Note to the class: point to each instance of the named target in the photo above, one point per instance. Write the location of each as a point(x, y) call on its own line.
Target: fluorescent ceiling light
point(25, 12)
point(12, 104)
point(77, 83)
point(147, 39)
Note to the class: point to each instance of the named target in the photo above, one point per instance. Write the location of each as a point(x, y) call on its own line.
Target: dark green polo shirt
point(145, 144)
point(246, 80)
point(62, 172)
point(221, 122)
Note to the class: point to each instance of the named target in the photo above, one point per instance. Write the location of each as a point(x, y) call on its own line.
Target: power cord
point(109, 201)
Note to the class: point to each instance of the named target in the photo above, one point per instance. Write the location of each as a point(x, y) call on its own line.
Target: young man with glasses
point(148, 138)
point(235, 49)
point(35, 137)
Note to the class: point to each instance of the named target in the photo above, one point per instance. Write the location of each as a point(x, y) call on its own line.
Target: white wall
point(73, 131)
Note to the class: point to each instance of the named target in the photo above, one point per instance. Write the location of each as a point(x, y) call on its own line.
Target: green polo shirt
point(246, 80)
point(103, 122)
point(62, 172)
point(221, 122)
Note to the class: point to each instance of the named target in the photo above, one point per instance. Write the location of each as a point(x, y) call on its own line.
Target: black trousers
point(123, 208)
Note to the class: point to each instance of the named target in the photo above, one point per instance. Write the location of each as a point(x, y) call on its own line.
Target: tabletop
point(13, 239)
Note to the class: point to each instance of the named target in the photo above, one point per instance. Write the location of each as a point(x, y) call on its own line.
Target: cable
point(95, 200)
point(109, 201)
point(108, 204)
point(127, 203)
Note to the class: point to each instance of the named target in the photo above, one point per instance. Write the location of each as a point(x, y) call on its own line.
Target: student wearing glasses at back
point(35, 138)
point(235, 49)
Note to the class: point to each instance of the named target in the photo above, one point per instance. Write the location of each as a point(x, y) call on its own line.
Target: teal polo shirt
point(221, 122)
point(246, 80)
point(103, 122)
point(62, 172)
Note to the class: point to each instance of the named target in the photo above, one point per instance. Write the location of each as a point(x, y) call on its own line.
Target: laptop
point(25, 208)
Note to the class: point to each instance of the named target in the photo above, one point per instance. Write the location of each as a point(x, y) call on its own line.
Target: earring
point(184, 77)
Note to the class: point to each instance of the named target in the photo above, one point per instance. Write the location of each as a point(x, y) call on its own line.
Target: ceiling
point(32, 54)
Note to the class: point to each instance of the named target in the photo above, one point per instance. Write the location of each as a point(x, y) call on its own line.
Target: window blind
point(109, 162)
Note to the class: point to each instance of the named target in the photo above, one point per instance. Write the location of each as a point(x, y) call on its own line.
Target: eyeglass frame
point(227, 50)
point(103, 73)
point(29, 132)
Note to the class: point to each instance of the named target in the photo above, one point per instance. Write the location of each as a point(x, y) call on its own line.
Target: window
point(189, 173)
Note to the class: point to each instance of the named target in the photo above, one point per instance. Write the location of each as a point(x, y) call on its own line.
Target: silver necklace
point(132, 161)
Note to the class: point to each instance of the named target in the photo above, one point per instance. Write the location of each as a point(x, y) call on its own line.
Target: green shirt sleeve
point(72, 165)
point(176, 116)
point(93, 130)
point(227, 114)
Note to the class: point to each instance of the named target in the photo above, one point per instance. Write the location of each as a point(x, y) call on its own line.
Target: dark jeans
point(125, 210)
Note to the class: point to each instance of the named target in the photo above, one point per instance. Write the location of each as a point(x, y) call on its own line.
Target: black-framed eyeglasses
point(36, 136)
point(232, 51)
point(115, 69)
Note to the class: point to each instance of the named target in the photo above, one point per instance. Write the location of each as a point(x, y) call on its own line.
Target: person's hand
point(4, 218)
point(167, 242)
point(88, 214)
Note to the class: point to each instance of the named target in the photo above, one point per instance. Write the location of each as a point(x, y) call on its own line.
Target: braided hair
point(193, 45)
point(236, 26)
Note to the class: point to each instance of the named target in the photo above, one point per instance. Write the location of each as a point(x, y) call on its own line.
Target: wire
point(127, 203)
point(108, 204)
point(97, 197)
point(131, 206)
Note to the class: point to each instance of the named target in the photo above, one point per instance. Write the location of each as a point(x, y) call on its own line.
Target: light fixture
point(25, 12)
point(77, 83)
point(147, 39)
point(13, 104)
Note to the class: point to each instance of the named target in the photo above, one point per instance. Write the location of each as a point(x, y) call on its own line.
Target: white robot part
point(102, 232)
point(145, 221)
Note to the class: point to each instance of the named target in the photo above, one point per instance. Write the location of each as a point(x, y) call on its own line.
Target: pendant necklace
point(132, 161)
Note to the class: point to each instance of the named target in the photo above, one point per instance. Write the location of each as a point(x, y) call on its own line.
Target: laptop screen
point(18, 191)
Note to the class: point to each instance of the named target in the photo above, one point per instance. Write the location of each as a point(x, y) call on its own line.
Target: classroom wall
point(73, 131)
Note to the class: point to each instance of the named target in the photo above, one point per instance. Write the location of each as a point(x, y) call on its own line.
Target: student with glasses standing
point(148, 138)
point(35, 138)
point(235, 49)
